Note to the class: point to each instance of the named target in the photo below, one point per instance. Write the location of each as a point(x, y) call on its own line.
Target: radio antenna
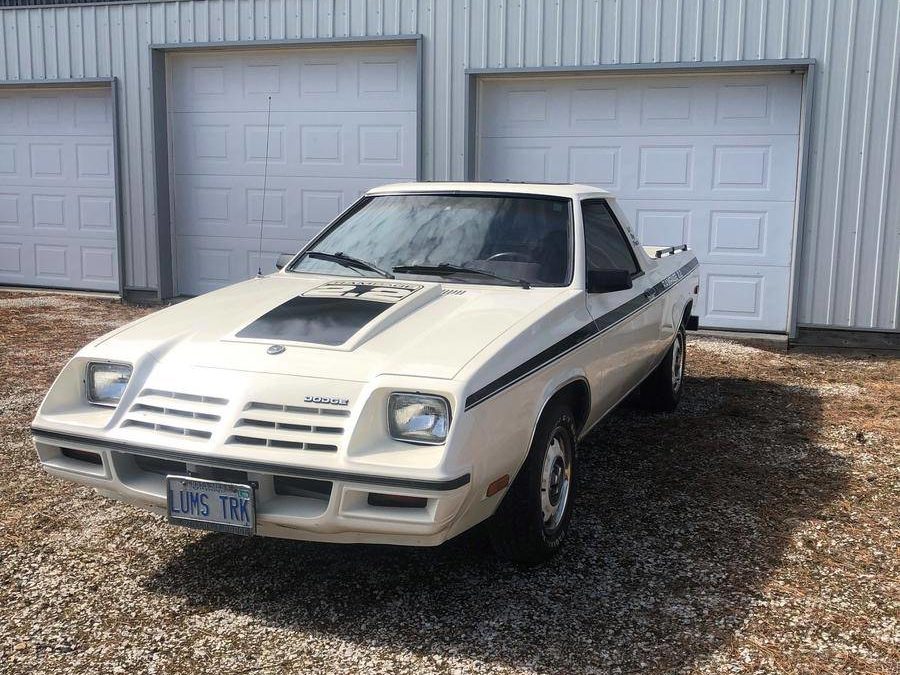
point(262, 210)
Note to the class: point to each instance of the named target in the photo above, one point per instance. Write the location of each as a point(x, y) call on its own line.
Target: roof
point(569, 190)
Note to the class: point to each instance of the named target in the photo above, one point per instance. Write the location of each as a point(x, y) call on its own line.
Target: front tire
point(533, 519)
point(662, 389)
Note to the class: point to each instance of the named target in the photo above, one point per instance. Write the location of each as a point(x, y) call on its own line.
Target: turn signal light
point(497, 485)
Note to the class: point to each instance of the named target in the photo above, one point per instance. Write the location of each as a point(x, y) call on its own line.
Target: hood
point(334, 328)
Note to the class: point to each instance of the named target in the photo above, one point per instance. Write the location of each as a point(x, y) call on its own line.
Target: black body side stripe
point(579, 337)
point(549, 355)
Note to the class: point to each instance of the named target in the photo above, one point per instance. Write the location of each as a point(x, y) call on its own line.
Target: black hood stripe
point(322, 321)
point(328, 314)
point(579, 337)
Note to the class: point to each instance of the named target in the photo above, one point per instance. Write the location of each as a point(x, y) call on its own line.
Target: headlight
point(418, 418)
point(106, 382)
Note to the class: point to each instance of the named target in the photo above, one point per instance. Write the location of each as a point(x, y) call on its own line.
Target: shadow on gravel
point(680, 521)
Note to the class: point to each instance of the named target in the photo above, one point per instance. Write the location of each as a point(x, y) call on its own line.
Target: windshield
point(512, 238)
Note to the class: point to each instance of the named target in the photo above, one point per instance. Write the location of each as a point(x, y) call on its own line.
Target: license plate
point(211, 505)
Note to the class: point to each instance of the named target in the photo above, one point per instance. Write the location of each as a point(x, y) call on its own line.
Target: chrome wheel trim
point(556, 477)
point(677, 362)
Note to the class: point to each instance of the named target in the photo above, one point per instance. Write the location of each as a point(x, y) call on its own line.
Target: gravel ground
point(757, 531)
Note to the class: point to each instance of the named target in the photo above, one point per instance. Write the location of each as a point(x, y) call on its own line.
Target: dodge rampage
point(427, 362)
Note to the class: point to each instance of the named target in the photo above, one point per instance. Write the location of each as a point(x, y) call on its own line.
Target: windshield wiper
point(342, 258)
point(447, 269)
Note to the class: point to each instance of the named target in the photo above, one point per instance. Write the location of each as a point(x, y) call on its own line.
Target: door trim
point(804, 67)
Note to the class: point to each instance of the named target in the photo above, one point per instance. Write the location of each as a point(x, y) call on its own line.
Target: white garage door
point(343, 120)
point(57, 189)
point(708, 160)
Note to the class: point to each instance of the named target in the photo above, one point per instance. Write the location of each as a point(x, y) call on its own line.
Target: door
point(57, 189)
point(629, 343)
point(343, 120)
point(708, 160)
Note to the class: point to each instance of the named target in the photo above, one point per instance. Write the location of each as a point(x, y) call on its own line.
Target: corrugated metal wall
point(850, 262)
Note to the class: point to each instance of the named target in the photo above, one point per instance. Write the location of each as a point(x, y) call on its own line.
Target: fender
point(680, 311)
point(555, 387)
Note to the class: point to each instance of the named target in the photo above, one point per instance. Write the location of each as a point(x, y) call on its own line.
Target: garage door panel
point(748, 234)
point(297, 80)
point(596, 163)
point(57, 189)
point(213, 263)
point(757, 105)
point(742, 297)
point(56, 262)
point(663, 168)
point(56, 112)
point(83, 161)
point(343, 121)
point(721, 232)
point(377, 144)
point(707, 160)
point(217, 262)
point(231, 206)
point(98, 266)
point(708, 167)
point(659, 106)
point(9, 160)
point(85, 214)
point(522, 108)
point(745, 167)
point(11, 210)
point(517, 160)
point(12, 263)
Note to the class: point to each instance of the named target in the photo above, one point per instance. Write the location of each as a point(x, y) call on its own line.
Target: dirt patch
point(755, 531)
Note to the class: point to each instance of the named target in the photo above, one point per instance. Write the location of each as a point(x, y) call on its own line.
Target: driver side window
point(605, 245)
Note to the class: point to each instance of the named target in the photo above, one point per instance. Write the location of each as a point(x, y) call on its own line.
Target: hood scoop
point(339, 314)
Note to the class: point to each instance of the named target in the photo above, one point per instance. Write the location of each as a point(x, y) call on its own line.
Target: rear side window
point(605, 245)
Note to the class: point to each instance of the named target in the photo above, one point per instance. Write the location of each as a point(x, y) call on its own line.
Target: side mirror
point(283, 259)
point(607, 281)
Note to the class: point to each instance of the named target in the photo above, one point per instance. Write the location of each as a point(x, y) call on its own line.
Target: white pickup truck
point(429, 361)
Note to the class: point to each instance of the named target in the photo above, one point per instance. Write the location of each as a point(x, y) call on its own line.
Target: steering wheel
point(511, 256)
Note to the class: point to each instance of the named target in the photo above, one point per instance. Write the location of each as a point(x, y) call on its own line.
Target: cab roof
point(567, 190)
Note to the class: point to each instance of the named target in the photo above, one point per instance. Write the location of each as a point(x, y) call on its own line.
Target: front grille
point(181, 414)
point(302, 487)
point(82, 456)
point(219, 474)
point(300, 409)
point(288, 427)
point(162, 467)
point(396, 501)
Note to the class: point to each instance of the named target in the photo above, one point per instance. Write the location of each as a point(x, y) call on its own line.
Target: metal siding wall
point(850, 260)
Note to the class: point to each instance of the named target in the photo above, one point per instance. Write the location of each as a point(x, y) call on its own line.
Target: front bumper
point(292, 502)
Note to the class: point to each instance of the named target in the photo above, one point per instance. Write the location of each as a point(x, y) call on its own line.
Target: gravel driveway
point(757, 531)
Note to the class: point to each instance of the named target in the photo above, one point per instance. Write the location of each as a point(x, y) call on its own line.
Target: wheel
point(533, 519)
point(662, 389)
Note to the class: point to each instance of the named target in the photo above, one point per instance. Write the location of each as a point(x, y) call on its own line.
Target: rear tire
point(533, 519)
point(662, 389)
